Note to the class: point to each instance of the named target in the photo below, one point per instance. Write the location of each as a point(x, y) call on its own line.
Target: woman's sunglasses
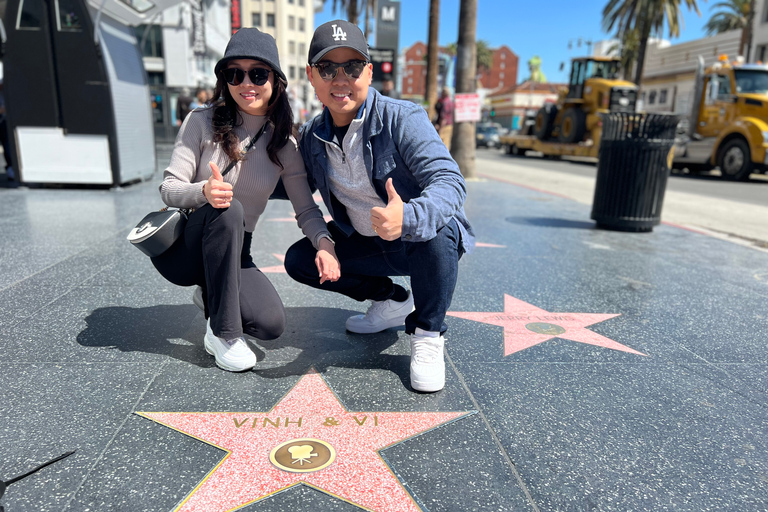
point(235, 76)
point(328, 70)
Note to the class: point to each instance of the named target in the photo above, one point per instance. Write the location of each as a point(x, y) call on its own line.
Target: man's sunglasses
point(328, 70)
point(235, 76)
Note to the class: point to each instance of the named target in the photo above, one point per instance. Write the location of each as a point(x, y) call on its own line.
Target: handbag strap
point(247, 148)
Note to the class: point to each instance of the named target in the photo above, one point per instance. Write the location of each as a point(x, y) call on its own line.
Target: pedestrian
point(201, 98)
point(9, 173)
point(183, 106)
point(396, 197)
point(214, 250)
point(444, 109)
point(388, 87)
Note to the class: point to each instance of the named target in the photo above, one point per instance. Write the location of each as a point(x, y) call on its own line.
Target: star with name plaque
point(526, 325)
point(307, 438)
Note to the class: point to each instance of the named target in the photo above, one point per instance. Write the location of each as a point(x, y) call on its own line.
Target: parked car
point(487, 136)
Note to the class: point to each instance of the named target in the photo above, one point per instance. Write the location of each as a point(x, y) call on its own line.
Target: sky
point(542, 28)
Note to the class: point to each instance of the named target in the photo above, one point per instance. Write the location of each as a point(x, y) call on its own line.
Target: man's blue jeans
point(367, 263)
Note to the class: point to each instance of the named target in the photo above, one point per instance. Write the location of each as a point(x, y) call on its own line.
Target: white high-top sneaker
point(231, 355)
point(427, 361)
point(381, 315)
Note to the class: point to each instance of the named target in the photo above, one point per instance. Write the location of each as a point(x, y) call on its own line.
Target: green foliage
point(734, 15)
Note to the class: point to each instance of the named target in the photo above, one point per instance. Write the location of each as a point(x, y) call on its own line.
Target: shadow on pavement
point(548, 222)
point(314, 337)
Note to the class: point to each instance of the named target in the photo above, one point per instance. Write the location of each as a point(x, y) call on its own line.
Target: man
point(396, 197)
point(444, 109)
point(388, 87)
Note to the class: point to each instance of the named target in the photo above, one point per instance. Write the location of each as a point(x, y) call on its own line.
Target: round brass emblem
point(545, 328)
point(302, 455)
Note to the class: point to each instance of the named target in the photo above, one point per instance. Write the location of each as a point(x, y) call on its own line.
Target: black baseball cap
point(337, 34)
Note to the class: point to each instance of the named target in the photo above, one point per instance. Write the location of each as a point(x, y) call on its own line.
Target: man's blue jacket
point(400, 143)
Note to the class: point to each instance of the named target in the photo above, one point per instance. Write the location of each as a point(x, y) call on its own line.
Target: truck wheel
point(735, 161)
point(573, 126)
point(545, 121)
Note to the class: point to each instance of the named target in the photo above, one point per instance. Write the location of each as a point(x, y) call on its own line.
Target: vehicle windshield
point(490, 130)
point(752, 81)
point(603, 69)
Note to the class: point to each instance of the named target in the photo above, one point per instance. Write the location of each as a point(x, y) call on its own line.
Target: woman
point(214, 252)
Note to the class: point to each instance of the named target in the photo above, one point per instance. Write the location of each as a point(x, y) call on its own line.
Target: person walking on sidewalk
point(444, 123)
point(396, 197)
point(214, 251)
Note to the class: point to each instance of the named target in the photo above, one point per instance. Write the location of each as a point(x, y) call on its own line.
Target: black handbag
point(157, 231)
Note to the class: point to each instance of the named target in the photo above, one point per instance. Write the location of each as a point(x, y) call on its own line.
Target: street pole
point(430, 95)
point(463, 141)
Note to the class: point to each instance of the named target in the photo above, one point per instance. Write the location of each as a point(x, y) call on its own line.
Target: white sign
point(466, 107)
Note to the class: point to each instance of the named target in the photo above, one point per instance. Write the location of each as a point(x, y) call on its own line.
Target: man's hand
point(326, 261)
point(387, 222)
point(217, 191)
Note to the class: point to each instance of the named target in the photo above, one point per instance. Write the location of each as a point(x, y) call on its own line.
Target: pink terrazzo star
point(525, 325)
point(307, 438)
point(275, 269)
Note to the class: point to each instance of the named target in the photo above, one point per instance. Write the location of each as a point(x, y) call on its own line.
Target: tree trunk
point(463, 141)
point(430, 94)
point(352, 11)
point(645, 32)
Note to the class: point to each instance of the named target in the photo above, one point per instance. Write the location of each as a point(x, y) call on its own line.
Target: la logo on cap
point(338, 34)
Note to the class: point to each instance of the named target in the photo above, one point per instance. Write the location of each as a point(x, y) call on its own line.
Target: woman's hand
point(216, 190)
point(327, 263)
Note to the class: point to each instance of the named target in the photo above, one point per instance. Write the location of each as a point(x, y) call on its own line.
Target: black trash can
point(632, 171)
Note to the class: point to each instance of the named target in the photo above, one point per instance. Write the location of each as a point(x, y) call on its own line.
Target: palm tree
point(352, 9)
point(734, 15)
point(484, 55)
point(463, 140)
point(646, 16)
point(432, 50)
point(627, 48)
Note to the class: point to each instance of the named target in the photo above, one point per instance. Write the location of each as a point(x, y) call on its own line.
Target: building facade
point(508, 106)
point(413, 84)
point(669, 71)
point(759, 50)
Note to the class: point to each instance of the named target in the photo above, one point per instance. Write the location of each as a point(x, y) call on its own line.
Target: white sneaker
point(427, 362)
point(197, 298)
point(232, 355)
point(381, 315)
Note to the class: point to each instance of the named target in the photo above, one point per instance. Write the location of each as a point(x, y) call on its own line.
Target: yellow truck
point(728, 123)
point(572, 127)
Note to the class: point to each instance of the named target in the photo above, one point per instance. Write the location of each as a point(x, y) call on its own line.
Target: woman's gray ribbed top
point(253, 178)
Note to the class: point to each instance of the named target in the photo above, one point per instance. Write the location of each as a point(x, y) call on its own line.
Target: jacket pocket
point(383, 166)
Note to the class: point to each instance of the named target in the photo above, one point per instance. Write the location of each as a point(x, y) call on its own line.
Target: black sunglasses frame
point(349, 68)
point(236, 76)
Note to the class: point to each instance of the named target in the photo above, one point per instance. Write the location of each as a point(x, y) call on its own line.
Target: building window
point(503, 56)
point(270, 20)
point(301, 24)
point(292, 72)
point(652, 98)
point(302, 49)
point(760, 54)
point(290, 1)
point(503, 65)
point(662, 97)
point(301, 3)
point(153, 42)
point(418, 52)
point(256, 19)
point(291, 23)
point(410, 81)
point(292, 47)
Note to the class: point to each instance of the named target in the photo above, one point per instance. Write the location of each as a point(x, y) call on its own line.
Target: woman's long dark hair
point(226, 117)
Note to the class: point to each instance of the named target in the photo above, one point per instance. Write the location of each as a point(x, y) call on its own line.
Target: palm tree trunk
point(432, 52)
point(645, 32)
point(352, 11)
point(463, 141)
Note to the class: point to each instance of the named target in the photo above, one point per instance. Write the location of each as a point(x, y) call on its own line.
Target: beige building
point(291, 23)
point(669, 71)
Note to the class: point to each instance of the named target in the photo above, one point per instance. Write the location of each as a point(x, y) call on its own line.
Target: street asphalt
point(587, 370)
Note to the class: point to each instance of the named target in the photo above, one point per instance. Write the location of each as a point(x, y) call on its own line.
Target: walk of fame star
point(525, 325)
point(307, 438)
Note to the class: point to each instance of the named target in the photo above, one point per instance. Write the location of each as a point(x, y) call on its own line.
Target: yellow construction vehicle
point(728, 124)
point(572, 127)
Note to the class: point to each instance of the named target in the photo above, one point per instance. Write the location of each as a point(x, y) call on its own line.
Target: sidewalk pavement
point(586, 370)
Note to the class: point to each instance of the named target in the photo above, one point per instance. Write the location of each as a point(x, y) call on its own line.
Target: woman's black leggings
point(214, 253)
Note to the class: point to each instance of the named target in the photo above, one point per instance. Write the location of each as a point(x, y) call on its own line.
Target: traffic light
point(493, 113)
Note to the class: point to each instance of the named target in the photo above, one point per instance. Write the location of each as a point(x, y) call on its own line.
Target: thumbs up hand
point(216, 190)
point(387, 222)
